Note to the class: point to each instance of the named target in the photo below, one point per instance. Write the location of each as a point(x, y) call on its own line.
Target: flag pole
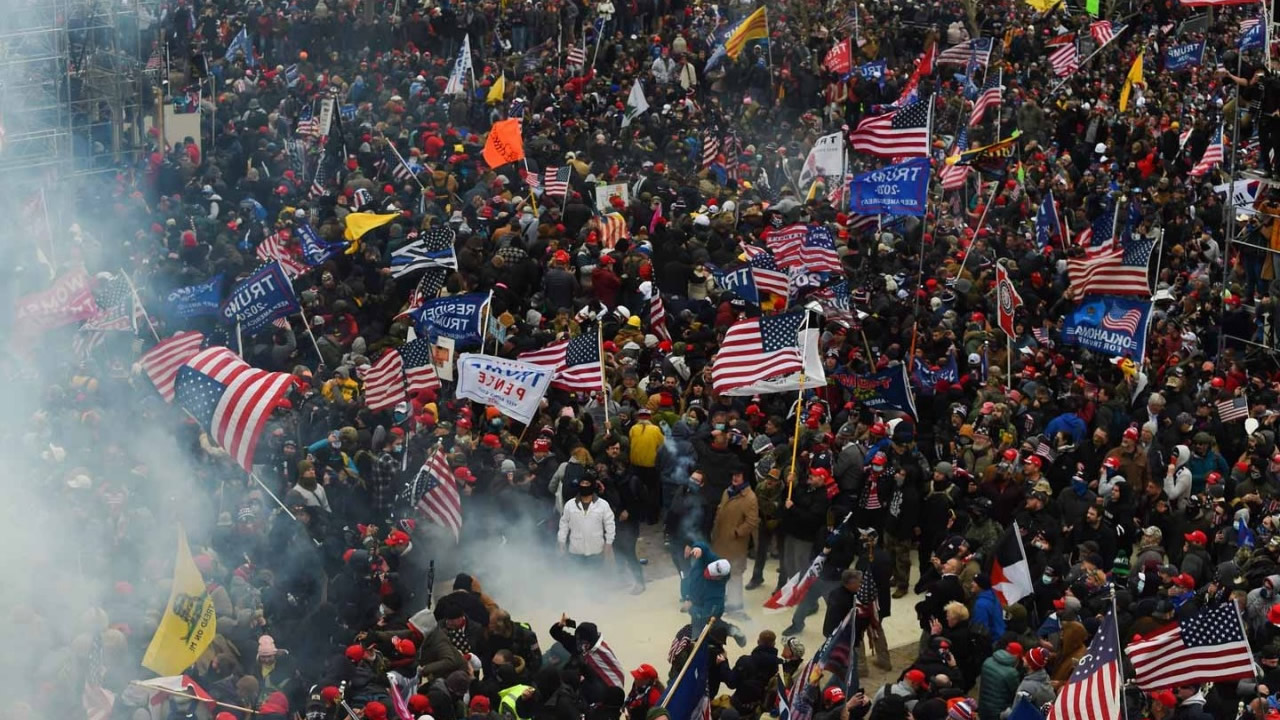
point(400, 157)
point(310, 334)
point(795, 441)
point(1054, 90)
point(697, 644)
point(239, 340)
point(985, 209)
point(1115, 613)
point(198, 698)
point(604, 386)
point(138, 300)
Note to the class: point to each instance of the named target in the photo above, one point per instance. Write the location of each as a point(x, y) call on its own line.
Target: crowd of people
point(1128, 488)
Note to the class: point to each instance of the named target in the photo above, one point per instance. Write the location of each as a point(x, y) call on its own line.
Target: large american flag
point(576, 56)
point(275, 247)
point(439, 502)
point(710, 148)
point(1212, 155)
point(1101, 31)
point(658, 317)
point(988, 97)
point(161, 363)
point(757, 349)
point(1236, 408)
point(117, 307)
point(977, 49)
point(1207, 647)
point(576, 362)
point(1093, 692)
point(230, 399)
point(602, 661)
point(785, 243)
point(1064, 59)
point(555, 180)
point(1112, 268)
point(97, 700)
point(954, 175)
point(613, 227)
point(765, 272)
point(407, 368)
point(308, 124)
point(902, 133)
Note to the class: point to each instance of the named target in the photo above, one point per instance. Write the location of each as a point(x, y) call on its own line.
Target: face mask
point(1046, 579)
point(397, 449)
point(586, 491)
point(720, 426)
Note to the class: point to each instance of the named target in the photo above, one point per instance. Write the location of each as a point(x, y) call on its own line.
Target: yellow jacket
point(646, 438)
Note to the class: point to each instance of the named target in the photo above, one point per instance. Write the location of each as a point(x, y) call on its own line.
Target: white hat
point(623, 312)
point(702, 220)
point(718, 569)
point(1100, 148)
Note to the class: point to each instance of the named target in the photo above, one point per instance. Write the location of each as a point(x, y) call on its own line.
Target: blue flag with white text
point(900, 189)
point(194, 300)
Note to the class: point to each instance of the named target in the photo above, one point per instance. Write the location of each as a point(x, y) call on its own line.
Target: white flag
point(461, 69)
point(825, 159)
point(515, 388)
point(636, 104)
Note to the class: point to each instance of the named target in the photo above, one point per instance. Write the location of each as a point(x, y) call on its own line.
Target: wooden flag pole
point(795, 441)
point(198, 698)
point(696, 645)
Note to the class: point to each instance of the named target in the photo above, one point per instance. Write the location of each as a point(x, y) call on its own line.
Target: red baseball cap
point(1185, 581)
point(1196, 536)
point(355, 653)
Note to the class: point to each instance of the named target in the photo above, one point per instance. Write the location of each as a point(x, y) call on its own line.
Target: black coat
point(946, 589)
point(807, 514)
point(839, 602)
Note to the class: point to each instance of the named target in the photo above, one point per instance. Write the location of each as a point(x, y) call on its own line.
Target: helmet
point(980, 505)
point(833, 694)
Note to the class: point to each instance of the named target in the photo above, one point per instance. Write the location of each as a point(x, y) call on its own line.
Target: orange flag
point(505, 145)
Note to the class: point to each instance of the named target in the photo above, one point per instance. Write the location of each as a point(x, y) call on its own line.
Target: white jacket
point(586, 530)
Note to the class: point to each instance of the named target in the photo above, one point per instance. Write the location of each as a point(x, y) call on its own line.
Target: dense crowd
point(1130, 494)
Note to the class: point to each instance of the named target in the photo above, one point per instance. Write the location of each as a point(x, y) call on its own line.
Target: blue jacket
point(987, 613)
point(706, 595)
point(1069, 423)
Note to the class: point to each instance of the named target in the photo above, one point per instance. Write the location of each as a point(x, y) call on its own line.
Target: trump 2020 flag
point(188, 624)
point(1010, 572)
point(260, 298)
point(900, 189)
point(1111, 326)
point(688, 698)
point(1048, 223)
point(195, 300)
point(315, 250)
point(1181, 57)
point(1251, 34)
point(885, 390)
point(456, 317)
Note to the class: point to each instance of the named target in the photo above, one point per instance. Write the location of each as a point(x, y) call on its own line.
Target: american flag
point(1109, 268)
point(308, 124)
point(731, 150)
point(576, 362)
point(407, 368)
point(658, 317)
point(757, 349)
point(785, 243)
point(434, 249)
point(977, 49)
point(605, 664)
point(766, 274)
point(555, 180)
point(432, 281)
point(552, 355)
point(98, 701)
point(161, 363)
point(1207, 647)
point(710, 148)
point(1123, 322)
point(531, 179)
point(576, 57)
point(1236, 408)
point(818, 253)
point(1046, 451)
point(155, 62)
point(324, 173)
point(1212, 155)
point(440, 502)
point(1042, 336)
point(1101, 31)
point(1093, 692)
point(953, 176)
point(275, 247)
point(117, 307)
point(230, 399)
point(862, 223)
point(613, 227)
point(988, 97)
point(399, 169)
point(1065, 60)
point(419, 371)
point(902, 133)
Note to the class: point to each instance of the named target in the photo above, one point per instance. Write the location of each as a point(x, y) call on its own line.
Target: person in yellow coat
point(646, 439)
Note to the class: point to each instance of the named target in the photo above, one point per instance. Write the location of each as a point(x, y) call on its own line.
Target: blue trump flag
point(688, 699)
point(1114, 326)
point(260, 298)
point(1024, 710)
point(242, 43)
point(455, 317)
point(315, 250)
point(927, 378)
point(900, 189)
point(1048, 224)
point(1251, 35)
point(873, 70)
point(194, 300)
point(885, 390)
point(1181, 57)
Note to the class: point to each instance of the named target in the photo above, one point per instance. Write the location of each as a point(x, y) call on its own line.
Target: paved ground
point(537, 588)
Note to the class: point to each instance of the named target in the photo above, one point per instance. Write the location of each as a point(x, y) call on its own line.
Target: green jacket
point(1000, 681)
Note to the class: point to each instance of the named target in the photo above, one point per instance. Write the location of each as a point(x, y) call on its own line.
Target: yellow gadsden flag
point(188, 625)
point(497, 91)
point(360, 223)
point(1134, 76)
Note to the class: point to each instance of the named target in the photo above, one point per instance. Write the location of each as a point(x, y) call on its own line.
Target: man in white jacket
point(586, 524)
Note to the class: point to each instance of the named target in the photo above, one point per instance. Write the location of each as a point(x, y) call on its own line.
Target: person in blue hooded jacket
point(702, 590)
point(986, 608)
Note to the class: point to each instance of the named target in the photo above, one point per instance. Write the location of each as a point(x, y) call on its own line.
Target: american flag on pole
point(552, 355)
point(555, 180)
point(439, 502)
point(977, 49)
point(613, 227)
point(1064, 59)
point(818, 253)
point(275, 247)
point(98, 701)
point(757, 349)
point(790, 594)
point(576, 56)
point(581, 371)
point(531, 179)
point(320, 182)
point(1213, 155)
point(155, 62)
point(230, 399)
point(1101, 31)
point(308, 124)
point(954, 175)
point(117, 307)
point(658, 317)
point(1093, 692)
point(1111, 268)
point(1207, 647)
point(766, 274)
point(710, 148)
point(901, 133)
point(161, 363)
point(1042, 337)
point(989, 96)
point(1236, 408)
point(401, 370)
point(785, 243)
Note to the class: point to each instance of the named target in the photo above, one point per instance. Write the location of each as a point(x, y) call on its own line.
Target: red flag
point(797, 586)
point(1007, 298)
point(839, 58)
